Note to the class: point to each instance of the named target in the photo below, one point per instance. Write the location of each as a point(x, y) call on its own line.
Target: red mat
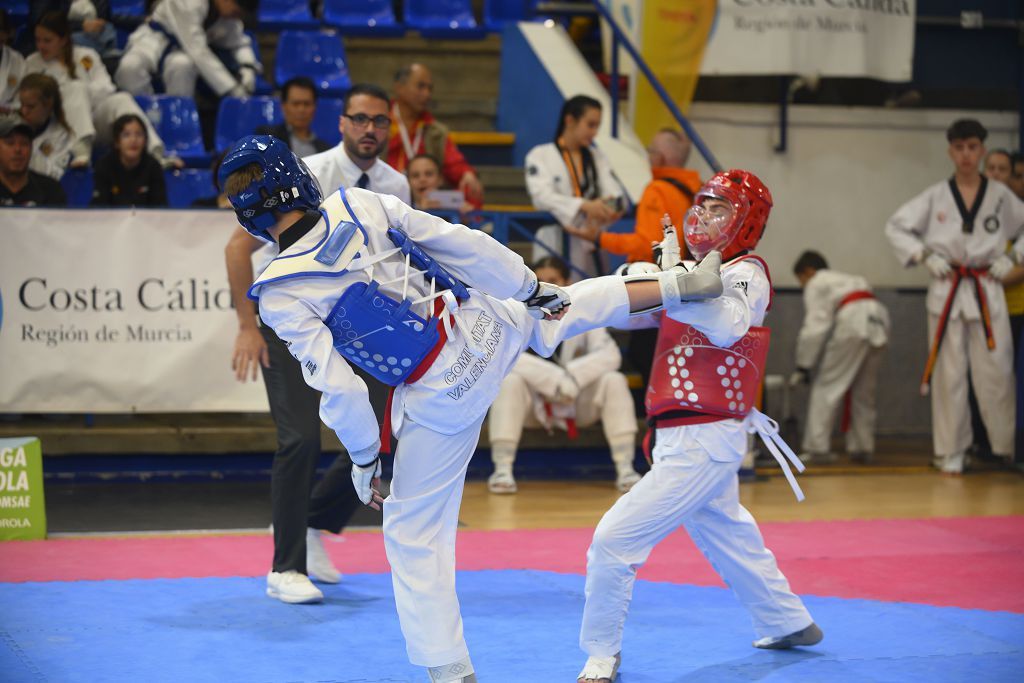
point(962, 562)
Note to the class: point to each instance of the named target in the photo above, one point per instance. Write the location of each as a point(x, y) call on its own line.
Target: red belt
point(570, 423)
point(959, 274)
point(858, 295)
point(414, 376)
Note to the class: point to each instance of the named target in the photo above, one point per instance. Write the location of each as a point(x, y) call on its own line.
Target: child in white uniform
point(705, 372)
point(333, 296)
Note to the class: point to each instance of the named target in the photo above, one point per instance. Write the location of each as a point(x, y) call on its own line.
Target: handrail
point(619, 36)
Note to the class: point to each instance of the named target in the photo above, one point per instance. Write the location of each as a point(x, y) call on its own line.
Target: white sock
point(623, 450)
point(503, 454)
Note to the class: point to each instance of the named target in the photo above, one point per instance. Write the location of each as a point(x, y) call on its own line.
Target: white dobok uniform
point(437, 419)
point(12, 67)
point(931, 221)
point(51, 150)
point(91, 101)
point(693, 483)
point(175, 40)
point(549, 182)
point(841, 341)
point(527, 396)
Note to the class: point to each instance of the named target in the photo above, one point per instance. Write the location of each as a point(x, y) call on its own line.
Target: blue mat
point(521, 625)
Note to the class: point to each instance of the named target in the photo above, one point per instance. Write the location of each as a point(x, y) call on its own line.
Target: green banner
point(22, 506)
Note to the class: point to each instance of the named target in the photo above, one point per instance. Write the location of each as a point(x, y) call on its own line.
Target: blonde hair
point(238, 181)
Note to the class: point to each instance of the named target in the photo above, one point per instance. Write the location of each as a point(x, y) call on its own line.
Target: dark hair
point(575, 107)
point(57, 22)
point(49, 91)
point(301, 82)
point(964, 129)
point(809, 260)
point(122, 122)
point(432, 160)
point(365, 89)
point(555, 263)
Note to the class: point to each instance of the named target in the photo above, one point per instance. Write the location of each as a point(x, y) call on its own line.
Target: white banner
point(118, 311)
point(854, 38)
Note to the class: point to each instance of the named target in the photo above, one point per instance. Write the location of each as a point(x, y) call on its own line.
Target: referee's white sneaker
point(318, 562)
point(292, 587)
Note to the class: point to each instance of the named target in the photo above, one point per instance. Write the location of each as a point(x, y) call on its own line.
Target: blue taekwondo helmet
point(287, 183)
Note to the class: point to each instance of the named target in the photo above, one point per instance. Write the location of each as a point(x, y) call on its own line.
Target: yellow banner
point(673, 36)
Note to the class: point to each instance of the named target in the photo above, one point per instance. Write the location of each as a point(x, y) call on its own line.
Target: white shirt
point(550, 184)
point(862, 319)
point(51, 150)
point(335, 169)
point(932, 221)
point(89, 70)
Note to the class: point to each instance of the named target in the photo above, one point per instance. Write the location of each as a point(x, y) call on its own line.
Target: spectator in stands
point(52, 137)
point(91, 101)
point(355, 162)
point(298, 103)
point(129, 175)
point(579, 385)
point(839, 351)
point(186, 39)
point(670, 192)
point(571, 179)
point(1000, 165)
point(12, 66)
point(424, 179)
point(415, 131)
point(19, 185)
point(299, 520)
point(92, 26)
point(1016, 180)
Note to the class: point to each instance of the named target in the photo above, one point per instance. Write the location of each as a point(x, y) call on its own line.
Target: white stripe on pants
point(686, 487)
point(849, 364)
point(421, 516)
point(991, 375)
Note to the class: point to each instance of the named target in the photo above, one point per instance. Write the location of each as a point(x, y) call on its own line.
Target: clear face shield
point(712, 222)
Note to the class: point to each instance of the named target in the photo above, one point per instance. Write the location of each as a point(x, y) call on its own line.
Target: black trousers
point(295, 502)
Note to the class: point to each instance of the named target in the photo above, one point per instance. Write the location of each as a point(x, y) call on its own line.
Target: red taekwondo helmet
point(728, 214)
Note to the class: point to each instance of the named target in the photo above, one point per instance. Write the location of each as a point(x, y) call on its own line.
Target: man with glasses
point(354, 162)
point(300, 510)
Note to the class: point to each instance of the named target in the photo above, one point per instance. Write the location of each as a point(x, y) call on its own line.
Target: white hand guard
point(363, 475)
point(679, 285)
point(667, 253)
point(1001, 267)
point(938, 266)
point(548, 302)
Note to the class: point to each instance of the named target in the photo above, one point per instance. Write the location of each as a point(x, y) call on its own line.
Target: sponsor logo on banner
point(119, 311)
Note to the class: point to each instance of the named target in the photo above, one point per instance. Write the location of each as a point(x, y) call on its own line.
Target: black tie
point(363, 182)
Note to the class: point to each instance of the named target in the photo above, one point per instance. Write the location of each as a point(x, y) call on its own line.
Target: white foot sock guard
point(456, 672)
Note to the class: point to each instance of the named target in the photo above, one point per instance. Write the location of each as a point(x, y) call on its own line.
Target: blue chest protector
point(384, 336)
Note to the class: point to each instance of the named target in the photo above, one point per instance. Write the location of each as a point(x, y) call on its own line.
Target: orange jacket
point(660, 197)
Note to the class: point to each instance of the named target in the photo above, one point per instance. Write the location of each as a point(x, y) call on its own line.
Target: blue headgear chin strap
point(286, 184)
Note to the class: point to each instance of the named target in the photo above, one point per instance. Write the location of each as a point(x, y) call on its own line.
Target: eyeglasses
point(362, 120)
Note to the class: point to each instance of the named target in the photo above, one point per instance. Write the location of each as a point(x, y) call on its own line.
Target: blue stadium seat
point(497, 13)
point(325, 122)
point(240, 116)
point(128, 8)
point(187, 185)
point(442, 18)
point(316, 54)
point(282, 14)
point(177, 122)
point(362, 17)
point(77, 184)
point(17, 11)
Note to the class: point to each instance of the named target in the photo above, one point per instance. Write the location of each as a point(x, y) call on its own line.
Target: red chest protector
point(694, 381)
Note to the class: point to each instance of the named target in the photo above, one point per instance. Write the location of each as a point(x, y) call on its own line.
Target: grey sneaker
point(811, 635)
